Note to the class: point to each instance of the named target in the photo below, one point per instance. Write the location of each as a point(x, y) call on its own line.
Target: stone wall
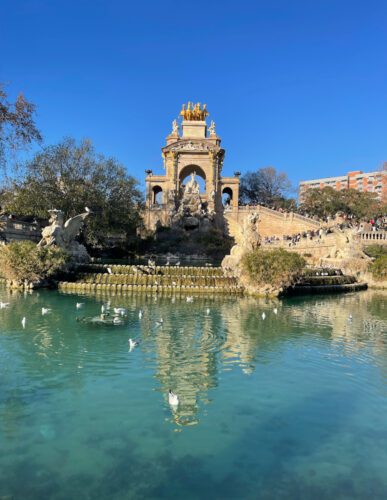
point(15, 230)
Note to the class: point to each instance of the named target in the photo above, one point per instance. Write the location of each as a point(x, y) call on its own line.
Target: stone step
point(133, 279)
point(146, 270)
point(119, 288)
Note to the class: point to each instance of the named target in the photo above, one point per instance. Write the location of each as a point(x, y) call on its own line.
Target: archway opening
point(157, 195)
point(227, 197)
point(200, 176)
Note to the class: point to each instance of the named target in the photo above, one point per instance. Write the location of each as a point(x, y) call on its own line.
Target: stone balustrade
point(373, 238)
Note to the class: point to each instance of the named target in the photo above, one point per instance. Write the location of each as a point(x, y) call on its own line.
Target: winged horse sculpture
point(63, 234)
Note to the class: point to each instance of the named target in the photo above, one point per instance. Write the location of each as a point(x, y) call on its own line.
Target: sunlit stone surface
point(290, 406)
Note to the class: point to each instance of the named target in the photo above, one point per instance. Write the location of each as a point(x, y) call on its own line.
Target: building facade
point(373, 182)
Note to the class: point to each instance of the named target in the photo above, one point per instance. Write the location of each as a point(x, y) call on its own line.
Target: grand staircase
point(160, 279)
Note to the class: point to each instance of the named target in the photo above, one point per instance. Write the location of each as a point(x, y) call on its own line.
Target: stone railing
point(373, 238)
point(277, 213)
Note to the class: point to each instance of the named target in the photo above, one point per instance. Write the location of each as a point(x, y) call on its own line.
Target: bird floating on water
point(3, 305)
point(173, 398)
point(208, 310)
point(79, 305)
point(140, 314)
point(190, 299)
point(350, 317)
point(133, 343)
point(45, 310)
point(23, 322)
point(120, 310)
point(263, 315)
point(275, 310)
point(160, 322)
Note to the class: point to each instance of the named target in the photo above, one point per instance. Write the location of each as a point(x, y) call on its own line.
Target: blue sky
point(300, 85)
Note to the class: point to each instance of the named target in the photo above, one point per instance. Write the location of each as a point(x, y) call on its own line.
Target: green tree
point(17, 126)
point(321, 202)
point(362, 205)
point(327, 201)
point(264, 186)
point(70, 177)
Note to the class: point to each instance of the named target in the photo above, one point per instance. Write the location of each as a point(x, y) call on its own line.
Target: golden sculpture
point(194, 112)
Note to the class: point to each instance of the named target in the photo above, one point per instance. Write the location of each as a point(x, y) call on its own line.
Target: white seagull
point(45, 310)
point(173, 398)
point(208, 311)
point(23, 322)
point(140, 314)
point(3, 305)
point(79, 305)
point(275, 310)
point(189, 299)
point(120, 310)
point(160, 322)
point(132, 344)
point(263, 315)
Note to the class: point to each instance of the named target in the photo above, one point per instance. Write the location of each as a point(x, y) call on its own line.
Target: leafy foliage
point(71, 176)
point(17, 126)
point(275, 267)
point(264, 186)
point(378, 268)
point(327, 201)
point(24, 261)
point(375, 251)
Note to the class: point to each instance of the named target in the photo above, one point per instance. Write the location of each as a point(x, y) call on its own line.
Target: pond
point(289, 405)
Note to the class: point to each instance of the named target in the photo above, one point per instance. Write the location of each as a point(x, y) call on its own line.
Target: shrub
point(24, 261)
point(277, 267)
point(375, 251)
point(378, 268)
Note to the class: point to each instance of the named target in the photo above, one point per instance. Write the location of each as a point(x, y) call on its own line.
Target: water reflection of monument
point(187, 362)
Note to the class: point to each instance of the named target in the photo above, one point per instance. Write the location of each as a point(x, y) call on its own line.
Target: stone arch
point(157, 195)
point(188, 170)
point(227, 196)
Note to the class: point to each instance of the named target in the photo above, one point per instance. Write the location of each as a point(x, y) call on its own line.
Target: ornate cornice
point(192, 145)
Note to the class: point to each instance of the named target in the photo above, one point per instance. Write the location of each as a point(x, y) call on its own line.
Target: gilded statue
point(194, 111)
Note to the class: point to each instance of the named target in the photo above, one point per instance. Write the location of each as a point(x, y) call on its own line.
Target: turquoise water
point(290, 406)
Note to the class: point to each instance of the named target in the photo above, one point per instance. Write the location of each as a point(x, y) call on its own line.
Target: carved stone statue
point(211, 128)
point(192, 186)
point(63, 234)
point(247, 241)
point(175, 127)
